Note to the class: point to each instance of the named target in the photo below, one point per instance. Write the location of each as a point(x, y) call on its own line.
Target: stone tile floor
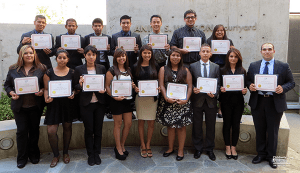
point(158, 163)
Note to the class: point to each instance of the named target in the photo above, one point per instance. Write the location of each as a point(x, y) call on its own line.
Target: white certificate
point(148, 87)
point(207, 85)
point(220, 46)
point(121, 88)
point(177, 91)
point(192, 44)
point(265, 82)
point(127, 43)
point(59, 88)
point(70, 41)
point(233, 82)
point(93, 82)
point(158, 41)
point(26, 85)
point(41, 41)
point(99, 42)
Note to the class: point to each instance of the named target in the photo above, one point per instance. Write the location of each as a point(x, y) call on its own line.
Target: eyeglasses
point(190, 17)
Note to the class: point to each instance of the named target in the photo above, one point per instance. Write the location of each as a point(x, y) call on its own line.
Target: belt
point(266, 95)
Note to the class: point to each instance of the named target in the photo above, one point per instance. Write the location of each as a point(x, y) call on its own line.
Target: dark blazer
point(131, 55)
point(285, 79)
point(214, 72)
point(9, 86)
point(85, 97)
point(75, 57)
point(43, 57)
point(106, 53)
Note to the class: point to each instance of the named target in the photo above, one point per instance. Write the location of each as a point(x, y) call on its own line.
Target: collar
point(201, 62)
point(189, 28)
point(153, 33)
point(271, 61)
point(69, 34)
point(97, 35)
point(36, 32)
point(125, 33)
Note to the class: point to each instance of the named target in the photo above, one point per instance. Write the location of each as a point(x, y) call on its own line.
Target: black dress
point(61, 110)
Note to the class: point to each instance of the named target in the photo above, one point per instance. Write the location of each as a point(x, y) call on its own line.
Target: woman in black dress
point(59, 110)
point(120, 106)
point(174, 113)
point(27, 108)
point(92, 106)
point(232, 102)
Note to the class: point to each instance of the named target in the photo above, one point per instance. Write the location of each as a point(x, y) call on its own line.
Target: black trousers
point(266, 121)
point(28, 131)
point(92, 116)
point(210, 121)
point(232, 115)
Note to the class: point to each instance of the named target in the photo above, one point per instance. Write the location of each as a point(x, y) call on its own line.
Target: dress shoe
point(179, 158)
point(272, 164)
point(197, 154)
point(34, 161)
point(126, 152)
point(97, 159)
point(258, 159)
point(91, 160)
point(21, 165)
point(168, 154)
point(211, 155)
point(228, 156)
point(66, 158)
point(220, 115)
point(118, 155)
point(54, 162)
point(235, 157)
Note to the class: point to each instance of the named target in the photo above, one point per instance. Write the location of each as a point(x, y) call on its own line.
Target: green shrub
point(246, 110)
point(5, 110)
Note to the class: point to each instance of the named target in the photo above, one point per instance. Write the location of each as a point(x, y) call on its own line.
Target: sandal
point(66, 158)
point(144, 155)
point(54, 162)
point(149, 153)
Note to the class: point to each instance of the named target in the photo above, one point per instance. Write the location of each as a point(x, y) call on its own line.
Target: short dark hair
point(156, 15)
point(267, 43)
point(97, 20)
point(39, 16)
point(190, 11)
point(205, 45)
point(71, 20)
point(90, 48)
point(125, 17)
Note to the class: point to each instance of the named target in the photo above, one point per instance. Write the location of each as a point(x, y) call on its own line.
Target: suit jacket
point(106, 53)
point(9, 86)
point(85, 97)
point(131, 55)
point(285, 79)
point(75, 57)
point(43, 57)
point(214, 72)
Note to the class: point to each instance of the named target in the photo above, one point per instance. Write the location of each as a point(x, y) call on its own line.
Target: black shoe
point(133, 116)
point(197, 154)
point(34, 161)
point(126, 152)
point(21, 165)
point(179, 158)
point(272, 164)
point(258, 159)
point(220, 115)
point(228, 156)
point(108, 115)
point(235, 157)
point(211, 155)
point(168, 154)
point(97, 159)
point(118, 155)
point(91, 160)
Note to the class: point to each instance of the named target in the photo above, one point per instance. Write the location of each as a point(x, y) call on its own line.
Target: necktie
point(191, 32)
point(204, 69)
point(266, 71)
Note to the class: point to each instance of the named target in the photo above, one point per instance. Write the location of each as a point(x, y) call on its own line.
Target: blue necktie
point(204, 69)
point(266, 71)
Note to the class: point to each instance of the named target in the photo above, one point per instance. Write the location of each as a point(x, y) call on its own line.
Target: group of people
point(173, 64)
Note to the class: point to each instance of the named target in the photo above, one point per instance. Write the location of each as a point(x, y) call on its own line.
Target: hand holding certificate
point(41, 41)
point(59, 88)
point(93, 82)
point(158, 41)
point(26, 85)
point(148, 88)
point(207, 85)
point(233, 82)
point(121, 88)
point(127, 43)
point(99, 42)
point(220, 46)
point(265, 82)
point(177, 91)
point(192, 44)
point(70, 42)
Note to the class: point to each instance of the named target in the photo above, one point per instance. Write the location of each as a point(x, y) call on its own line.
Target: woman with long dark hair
point(232, 103)
point(176, 114)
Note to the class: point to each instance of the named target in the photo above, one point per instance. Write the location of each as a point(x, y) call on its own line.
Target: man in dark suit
point(76, 56)
point(102, 56)
point(125, 23)
point(43, 54)
point(267, 107)
point(204, 103)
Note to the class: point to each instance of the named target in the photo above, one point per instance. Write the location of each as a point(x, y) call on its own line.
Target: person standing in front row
point(204, 103)
point(160, 55)
point(43, 54)
point(267, 107)
point(189, 30)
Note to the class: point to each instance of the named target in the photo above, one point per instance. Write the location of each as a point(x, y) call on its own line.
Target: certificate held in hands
point(220, 46)
point(158, 41)
point(177, 91)
point(127, 43)
point(59, 88)
point(265, 82)
point(192, 44)
point(70, 42)
point(93, 82)
point(207, 85)
point(148, 88)
point(233, 82)
point(121, 88)
point(99, 42)
point(26, 85)
point(41, 41)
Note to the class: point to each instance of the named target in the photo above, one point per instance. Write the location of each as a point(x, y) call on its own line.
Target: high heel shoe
point(235, 157)
point(118, 155)
point(228, 156)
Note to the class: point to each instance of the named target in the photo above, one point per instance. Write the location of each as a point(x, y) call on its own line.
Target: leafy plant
point(5, 110)
point(247, 111)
